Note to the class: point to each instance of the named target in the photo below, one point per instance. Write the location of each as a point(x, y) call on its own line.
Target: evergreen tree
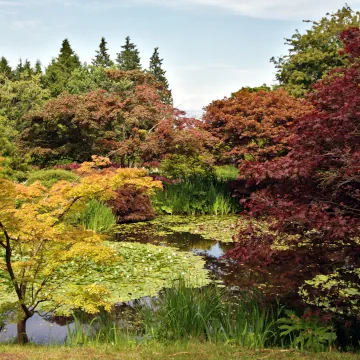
point(102, 57)
point(38, 69)
point(27, 69)
point(67, 58)
point(60, 69)
point(129, 59)
point(156, 69)
point(19, 70)
point(5, 68)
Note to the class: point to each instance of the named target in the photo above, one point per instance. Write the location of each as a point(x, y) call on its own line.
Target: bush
point(184, 167)
point(50, 177)
point(132, 204)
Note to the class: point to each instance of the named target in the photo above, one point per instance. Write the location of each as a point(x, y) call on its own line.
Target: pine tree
point(60, 69)
point(5, 68)
point(27, 69)
point(67, 58)
point(102, 57)
point(156, 69)
point(129, 59)
point(18, 70)
point(38, 69)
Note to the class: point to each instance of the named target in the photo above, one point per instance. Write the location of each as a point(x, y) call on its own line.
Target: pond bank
point(156, 351)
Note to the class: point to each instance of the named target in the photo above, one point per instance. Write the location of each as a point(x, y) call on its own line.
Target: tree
point(76, 126)
point(314, 53)
point(312, 196)
point(5, 68)
point(128, 58)
point(38, 68)
point(42, 253)
point(155, 68)
point(18, 97)
point(19, 70)
point(253, 124)
point(102, 57)
point(61, 68)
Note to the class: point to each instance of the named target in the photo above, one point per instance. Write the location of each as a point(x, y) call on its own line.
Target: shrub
point(132, 204)
point(50, 177)
point(184, 167)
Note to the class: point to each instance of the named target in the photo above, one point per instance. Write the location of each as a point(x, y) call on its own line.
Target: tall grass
point(100, 330)
point(196, 197)
point(97, 217)
point(183, 313)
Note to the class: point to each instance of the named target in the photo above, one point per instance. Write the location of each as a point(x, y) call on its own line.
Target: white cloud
point(268, 9)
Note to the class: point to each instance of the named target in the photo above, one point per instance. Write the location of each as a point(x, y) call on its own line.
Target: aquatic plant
point(196, 197)
point(98, 217)
point(183, 313)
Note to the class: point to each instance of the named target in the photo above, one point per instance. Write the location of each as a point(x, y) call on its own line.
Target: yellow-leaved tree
point(42, 252)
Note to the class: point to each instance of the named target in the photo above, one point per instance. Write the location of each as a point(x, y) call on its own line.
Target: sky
point(210, 48)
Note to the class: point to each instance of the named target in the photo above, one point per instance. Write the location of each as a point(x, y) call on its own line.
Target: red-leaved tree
point(312, 196)
point(253, 125)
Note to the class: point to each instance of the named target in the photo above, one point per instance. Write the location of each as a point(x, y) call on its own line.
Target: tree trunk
point(21, 331)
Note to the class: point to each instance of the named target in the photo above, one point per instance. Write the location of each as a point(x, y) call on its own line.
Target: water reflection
point(40, 330)
point(55, 330)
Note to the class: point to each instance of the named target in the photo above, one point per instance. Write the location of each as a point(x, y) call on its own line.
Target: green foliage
point(7, 135)
point(183, 167)
point(14, 167)
point(307, 333)
point(338, 292)
point(226, 173)
point(314, 53)
point(59, 71)
point(98, 217)
point(155, 68)
point(195, 197)
point(18, 97)
point(48, 177)
point(128, 58)
point(102, 57)
point(183, 313)
point(5, 68)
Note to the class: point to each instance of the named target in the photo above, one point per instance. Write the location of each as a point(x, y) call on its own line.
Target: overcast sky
point(210, 47)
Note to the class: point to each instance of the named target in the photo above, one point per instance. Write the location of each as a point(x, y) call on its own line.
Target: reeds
point(97, 217)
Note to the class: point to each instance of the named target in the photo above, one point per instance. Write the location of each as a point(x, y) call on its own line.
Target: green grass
point(97, 217)
point(157, 351)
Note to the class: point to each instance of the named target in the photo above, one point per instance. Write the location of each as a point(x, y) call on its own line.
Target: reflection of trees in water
point(58, 320)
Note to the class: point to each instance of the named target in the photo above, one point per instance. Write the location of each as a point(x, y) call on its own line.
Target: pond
point(198, 235)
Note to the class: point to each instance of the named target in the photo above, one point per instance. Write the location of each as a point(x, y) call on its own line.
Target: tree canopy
point(314, 53)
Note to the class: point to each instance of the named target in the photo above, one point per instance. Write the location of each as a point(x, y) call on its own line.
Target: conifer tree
point(38, 69)
point(156, 69)
point(27, 70)
point(60, 69)
point(128, 59)
point(5, 68)
point(67, 58)
point(102, 57)
point(19, 70)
